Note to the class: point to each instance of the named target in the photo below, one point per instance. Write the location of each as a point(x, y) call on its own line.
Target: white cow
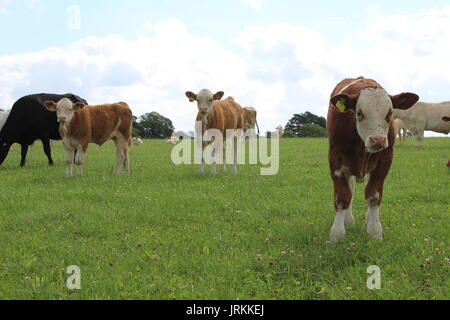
point(137, 141)
point(3, 117)
point(425, 116)
point(280, 131)
point(172, 140)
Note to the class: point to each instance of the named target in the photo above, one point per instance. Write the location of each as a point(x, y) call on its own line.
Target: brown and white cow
point(217, 114)
point(80, 125)
point(250, 118)
point(361, 139)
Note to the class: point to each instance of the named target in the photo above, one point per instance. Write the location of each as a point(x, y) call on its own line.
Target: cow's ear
point(447, 119)
point(78, 106)
point(218, 95)
point(191, 96)
point(50, 106)
point(345, 102)
point(404, 100)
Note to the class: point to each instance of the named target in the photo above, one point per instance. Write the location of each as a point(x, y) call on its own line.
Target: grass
point(164, 232)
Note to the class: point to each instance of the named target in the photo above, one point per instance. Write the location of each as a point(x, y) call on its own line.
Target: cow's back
point(97, 123)
point(227, 115)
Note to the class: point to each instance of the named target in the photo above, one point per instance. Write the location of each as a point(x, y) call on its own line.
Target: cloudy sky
point(279, 56)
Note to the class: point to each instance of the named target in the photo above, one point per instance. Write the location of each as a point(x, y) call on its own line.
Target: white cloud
point(151, 73)
point(279, 69)
point(254, 3)
point(3, 5)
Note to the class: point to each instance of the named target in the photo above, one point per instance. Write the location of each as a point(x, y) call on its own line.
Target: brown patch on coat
point(226, 114)
point(96, 124)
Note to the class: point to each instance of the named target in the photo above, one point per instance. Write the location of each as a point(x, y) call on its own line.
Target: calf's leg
point(213, 165)
point(224, 166)
point(120, 154)
point(420, 134)
point(235, 155)
point(374, 194)
point(342, 204)
point(349, 220)
point(202, 160)
point(69, 160)
point(126, 162)
point(79, 159)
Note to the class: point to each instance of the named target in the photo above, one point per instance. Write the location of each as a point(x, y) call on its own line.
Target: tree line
point(155, 126)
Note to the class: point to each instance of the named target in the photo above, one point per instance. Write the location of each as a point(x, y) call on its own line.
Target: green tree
point(288, 134)
point(312, 131)
point(296, 123)
point(137, 129)
point(155, 126)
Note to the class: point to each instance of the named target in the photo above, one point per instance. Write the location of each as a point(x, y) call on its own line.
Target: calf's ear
point(404, 100)
point(191, 96)
point(50, 106)
point(218, 95)
point(345, 102)
point(78, 106)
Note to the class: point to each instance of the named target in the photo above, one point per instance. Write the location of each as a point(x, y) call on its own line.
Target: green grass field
point(165, 232)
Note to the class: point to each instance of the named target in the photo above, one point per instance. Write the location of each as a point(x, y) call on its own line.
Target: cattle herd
point(363, 121)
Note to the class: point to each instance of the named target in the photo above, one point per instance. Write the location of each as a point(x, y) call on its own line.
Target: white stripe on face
point(372, 121)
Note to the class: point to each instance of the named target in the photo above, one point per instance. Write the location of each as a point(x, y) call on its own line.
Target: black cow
point(28, 121)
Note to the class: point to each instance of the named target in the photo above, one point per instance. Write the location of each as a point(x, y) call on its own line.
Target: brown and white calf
point(80, 125)
point(217, 114)
point(250, 121)
point(361, 139)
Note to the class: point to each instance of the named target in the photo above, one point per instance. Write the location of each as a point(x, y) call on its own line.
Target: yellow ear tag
point(340, 106)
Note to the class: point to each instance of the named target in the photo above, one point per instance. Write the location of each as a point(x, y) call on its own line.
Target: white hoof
point(349, 220)
point(375, 230)
point(336, 233)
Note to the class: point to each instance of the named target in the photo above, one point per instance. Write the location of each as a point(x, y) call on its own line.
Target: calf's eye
point(360, 115)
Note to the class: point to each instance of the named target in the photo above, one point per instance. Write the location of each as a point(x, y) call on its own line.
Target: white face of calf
point(64, 109)
point(373, 109)
point(205, 99)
